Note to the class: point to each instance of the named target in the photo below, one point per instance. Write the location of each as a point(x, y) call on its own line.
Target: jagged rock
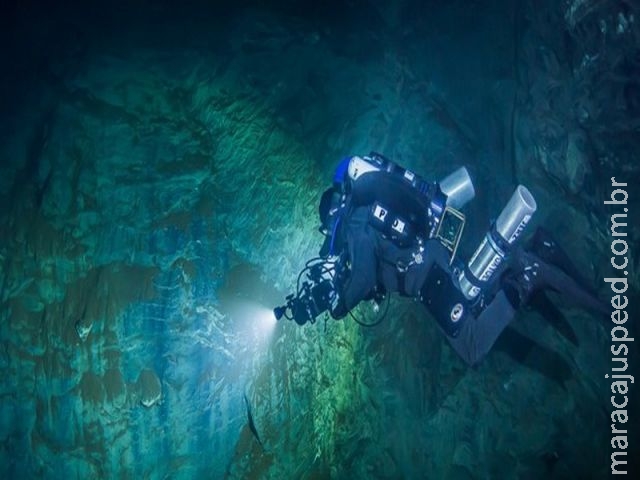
point(115, 387)
point(92, 389)
point(578, 158)
point(83, 329)
point(169, 163)
point(148, 388)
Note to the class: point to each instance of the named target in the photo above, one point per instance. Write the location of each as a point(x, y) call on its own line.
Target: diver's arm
point(359, 280)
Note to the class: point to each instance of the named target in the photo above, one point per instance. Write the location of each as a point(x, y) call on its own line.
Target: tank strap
point(473, 280)
point(499, 240)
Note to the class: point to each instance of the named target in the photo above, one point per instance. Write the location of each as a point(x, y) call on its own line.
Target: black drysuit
point(374, 260)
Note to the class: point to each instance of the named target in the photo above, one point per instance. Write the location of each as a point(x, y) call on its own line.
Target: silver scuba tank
point(458, 188)
point(493, 249)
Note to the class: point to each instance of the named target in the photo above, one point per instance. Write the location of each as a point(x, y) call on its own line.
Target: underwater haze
point(161, 165)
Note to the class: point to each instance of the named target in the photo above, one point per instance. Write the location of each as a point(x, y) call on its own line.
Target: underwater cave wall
point(577, 108)
point(158, 185)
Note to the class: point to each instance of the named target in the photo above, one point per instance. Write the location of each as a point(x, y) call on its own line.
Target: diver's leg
point(548, 250)
point(361, 277)
point(477, 335)
point(570, 290)
point(532, 273)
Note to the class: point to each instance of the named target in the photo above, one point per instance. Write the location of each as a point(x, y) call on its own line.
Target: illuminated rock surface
point(159, 179)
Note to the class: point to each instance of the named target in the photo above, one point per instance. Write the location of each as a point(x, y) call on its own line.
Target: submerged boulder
point(148, 388)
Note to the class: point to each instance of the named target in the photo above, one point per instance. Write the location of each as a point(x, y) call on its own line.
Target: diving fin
point(542, 304)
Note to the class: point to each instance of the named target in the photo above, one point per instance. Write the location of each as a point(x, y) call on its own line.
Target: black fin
point(542, 304)
point(535, 356)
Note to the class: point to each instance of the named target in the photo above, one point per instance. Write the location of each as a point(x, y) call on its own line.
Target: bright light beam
point(265, 320)
point(254, 321)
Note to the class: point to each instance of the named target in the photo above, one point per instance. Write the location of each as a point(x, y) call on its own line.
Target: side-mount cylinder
point(496, 243)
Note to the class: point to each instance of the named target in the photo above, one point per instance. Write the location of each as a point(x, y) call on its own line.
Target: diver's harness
point(408, 210)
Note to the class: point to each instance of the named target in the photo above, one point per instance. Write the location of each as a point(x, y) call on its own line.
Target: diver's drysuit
point(383, 233)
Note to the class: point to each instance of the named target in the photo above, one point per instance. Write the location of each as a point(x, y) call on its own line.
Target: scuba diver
point(387, 230)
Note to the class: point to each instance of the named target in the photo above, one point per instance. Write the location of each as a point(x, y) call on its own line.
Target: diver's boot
point(544, 246)
point(531, 274)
